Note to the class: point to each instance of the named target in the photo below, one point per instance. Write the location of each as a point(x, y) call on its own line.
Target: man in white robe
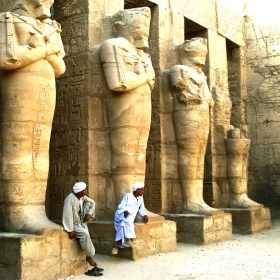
point(131, 205)
point(77, 210)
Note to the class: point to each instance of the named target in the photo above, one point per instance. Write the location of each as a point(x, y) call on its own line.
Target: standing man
point(77, 210)
point(131, 204)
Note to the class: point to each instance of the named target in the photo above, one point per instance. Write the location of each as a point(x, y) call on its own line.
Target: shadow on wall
point(263, 187)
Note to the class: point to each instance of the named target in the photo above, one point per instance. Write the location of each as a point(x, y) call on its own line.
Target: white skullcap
point(79, 187)
point(137, 185)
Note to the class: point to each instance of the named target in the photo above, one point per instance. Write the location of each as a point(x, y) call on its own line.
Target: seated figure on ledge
point(31, 58)
point(131, 205)
point(192, 103)
point(130, 77)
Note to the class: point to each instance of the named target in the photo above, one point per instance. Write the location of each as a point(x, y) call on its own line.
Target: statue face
point(140, 28)
point(196, 60)
point(45, 3)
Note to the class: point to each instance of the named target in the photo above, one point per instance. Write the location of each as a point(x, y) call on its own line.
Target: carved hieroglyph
point(31, 58)
point(237, 164)
point(192, 102)
point(130, 77)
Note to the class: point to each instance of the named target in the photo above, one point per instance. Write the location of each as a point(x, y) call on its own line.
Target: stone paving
point(245, 257)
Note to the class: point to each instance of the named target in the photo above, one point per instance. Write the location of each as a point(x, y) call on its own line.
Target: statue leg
point(129, 118)
point(191, 162)
point(192, 129)
point(237, 163)
point(26, 126)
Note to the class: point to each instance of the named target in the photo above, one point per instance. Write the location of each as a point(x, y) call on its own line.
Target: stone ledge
point(200, 229)
point(151, 238)
point(249, 221)
point(33, 257)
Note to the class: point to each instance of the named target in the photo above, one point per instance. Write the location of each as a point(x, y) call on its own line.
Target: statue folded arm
point(14, 55)
point(124, 71)
point(186, 84)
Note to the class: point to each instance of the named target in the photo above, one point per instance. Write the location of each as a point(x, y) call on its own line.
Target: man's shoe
point(115, 251)
point(128, 243)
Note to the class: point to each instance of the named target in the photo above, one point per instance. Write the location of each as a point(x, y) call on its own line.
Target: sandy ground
point(245, 257)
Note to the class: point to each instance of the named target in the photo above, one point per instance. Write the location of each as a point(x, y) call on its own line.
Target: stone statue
point(192, 100)
point(130, 77)
point(237, 164)
point(31, 58)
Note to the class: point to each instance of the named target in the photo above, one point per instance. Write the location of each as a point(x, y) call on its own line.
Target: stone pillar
point(163, 190)
point(216, 157)
point(80, 145)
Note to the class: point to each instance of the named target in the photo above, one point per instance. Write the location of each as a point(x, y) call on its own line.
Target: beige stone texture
point(130, 78)
point(31, 58)
point(200, 229)
point(230, 24)
point(28, 257)
point(249, 221)
point(157, 236)
point(81, 140)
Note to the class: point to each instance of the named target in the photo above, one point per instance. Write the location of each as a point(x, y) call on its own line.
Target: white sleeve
point(67, 216)
point(141, 210)
point(91, 203)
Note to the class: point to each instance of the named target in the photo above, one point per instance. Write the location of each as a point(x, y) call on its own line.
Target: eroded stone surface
point(130, 78)
point(31, 58)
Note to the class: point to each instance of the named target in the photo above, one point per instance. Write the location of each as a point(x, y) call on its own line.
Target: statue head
point(39, 9)
point(134, 25)
point(193, 52)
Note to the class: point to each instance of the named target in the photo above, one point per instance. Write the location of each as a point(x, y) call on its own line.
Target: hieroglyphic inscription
point(36, 140)
point(58, 194)
point(66, 155)
point(150, 162)
point(43, 102)
point(152, 196)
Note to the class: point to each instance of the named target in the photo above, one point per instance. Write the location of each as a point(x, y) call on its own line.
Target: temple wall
point(263, 100)
point(80, 144)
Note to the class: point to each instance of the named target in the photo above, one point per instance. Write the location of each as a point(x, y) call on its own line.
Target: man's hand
point(86, 218)
point(145, 219)
point(71, 234)
point(126, 213)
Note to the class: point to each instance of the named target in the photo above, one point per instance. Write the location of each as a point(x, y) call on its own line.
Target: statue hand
point(54, 49)
point(35, 41)
point(139, 69)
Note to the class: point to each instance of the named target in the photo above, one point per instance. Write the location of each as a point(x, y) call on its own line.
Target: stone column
point(216, 157)
point(80, 148)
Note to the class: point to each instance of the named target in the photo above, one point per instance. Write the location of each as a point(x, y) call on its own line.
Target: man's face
point(140, 192)
point(83, 192)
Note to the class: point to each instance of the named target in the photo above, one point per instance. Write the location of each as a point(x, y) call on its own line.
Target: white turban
point(79, 187)
point(138, 185)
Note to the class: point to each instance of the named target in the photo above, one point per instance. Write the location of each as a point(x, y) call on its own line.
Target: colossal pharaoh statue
point(130, 77)
point(31, 57)
point(237, 164)
point(192, 100)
